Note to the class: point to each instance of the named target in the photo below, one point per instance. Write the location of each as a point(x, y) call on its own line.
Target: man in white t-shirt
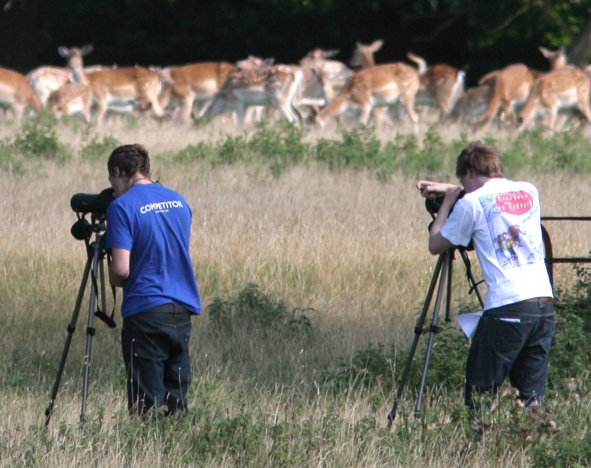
point(502, 219)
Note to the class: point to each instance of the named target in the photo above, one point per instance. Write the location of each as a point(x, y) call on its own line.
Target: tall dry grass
point(349, 247)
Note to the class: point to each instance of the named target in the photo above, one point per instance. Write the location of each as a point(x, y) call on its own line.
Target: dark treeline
point(477, 36)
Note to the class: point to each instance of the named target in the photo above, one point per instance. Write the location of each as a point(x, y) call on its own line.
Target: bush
point(39, 139)
point(570, 356)
point(9, 161)
point(254, 310)
point(99, 150)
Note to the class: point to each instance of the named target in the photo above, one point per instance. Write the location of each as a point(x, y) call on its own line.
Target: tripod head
point(83, 229)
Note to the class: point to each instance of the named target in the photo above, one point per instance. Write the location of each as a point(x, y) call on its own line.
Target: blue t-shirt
point(154, 224)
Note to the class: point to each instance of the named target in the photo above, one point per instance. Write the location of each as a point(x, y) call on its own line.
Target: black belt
point(536, 300)
point(170, 307)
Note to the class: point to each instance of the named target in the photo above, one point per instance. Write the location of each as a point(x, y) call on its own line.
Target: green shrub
point(365, 369)
point(359, 148)
point(567, 451)
point(10, 161)
point(99, 150)
point(39, 139)
point(200, 152)
point(570, 356)
point(254, 310)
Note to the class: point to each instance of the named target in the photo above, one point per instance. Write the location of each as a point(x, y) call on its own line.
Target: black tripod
point(83, 230)
point(443, 272)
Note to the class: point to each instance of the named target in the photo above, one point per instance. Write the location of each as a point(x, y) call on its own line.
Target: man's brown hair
point(130, 159)
point(479, 159)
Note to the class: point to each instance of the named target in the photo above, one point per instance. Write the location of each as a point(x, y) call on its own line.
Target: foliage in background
point(466, 34)
point(99, 150)
point(282, 146)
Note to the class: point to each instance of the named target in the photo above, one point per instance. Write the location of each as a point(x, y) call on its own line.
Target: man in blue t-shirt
point(148, 233)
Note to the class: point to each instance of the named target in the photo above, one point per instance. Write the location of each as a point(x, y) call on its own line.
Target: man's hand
point(429, 189)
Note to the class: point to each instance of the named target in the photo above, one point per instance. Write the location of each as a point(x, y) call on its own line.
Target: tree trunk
point(580, 53)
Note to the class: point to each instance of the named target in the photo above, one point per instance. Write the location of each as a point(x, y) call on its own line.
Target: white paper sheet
point(468, 322)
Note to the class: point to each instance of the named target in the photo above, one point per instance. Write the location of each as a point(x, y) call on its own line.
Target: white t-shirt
point(502, 218)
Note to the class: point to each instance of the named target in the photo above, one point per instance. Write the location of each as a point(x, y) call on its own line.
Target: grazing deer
point(70, 99)
point(567, 88)
point(440, 85)
point(17, 92)
point(471, 104)
point(275, 85)
point(513, 85)
point(379, 86)
point(136, 85)
point(194, 83)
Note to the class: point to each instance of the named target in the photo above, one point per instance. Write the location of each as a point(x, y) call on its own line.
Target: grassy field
point(307, 374)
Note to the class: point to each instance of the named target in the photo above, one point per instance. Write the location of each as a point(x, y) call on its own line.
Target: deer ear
point(87, 49)
point(63, 51)
point(377, 45)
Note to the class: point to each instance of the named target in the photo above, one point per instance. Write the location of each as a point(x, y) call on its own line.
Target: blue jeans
point(155, 348)
point(512, 340)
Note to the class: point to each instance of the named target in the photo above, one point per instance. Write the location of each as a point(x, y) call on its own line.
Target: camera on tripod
point(94, 273)
point(432, 205)
point(96, 205)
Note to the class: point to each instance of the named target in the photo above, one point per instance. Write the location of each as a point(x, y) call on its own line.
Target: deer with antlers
point(115, 86)
point(17, 92)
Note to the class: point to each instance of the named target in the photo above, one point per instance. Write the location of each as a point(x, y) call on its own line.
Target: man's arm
point(119, 266)
point(437, 243)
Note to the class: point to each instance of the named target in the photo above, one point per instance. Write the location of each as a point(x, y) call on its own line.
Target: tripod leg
point(418, 331)
point(90, 330)
point(71, 330)
point(433, 330)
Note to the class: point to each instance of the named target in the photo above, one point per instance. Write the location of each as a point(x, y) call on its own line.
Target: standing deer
point(115, 86)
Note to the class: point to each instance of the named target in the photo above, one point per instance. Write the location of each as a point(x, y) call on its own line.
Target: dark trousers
point(155, 348)
point(514, 341)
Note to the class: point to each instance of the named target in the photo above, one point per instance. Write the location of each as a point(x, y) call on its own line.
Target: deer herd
point(317, 90)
